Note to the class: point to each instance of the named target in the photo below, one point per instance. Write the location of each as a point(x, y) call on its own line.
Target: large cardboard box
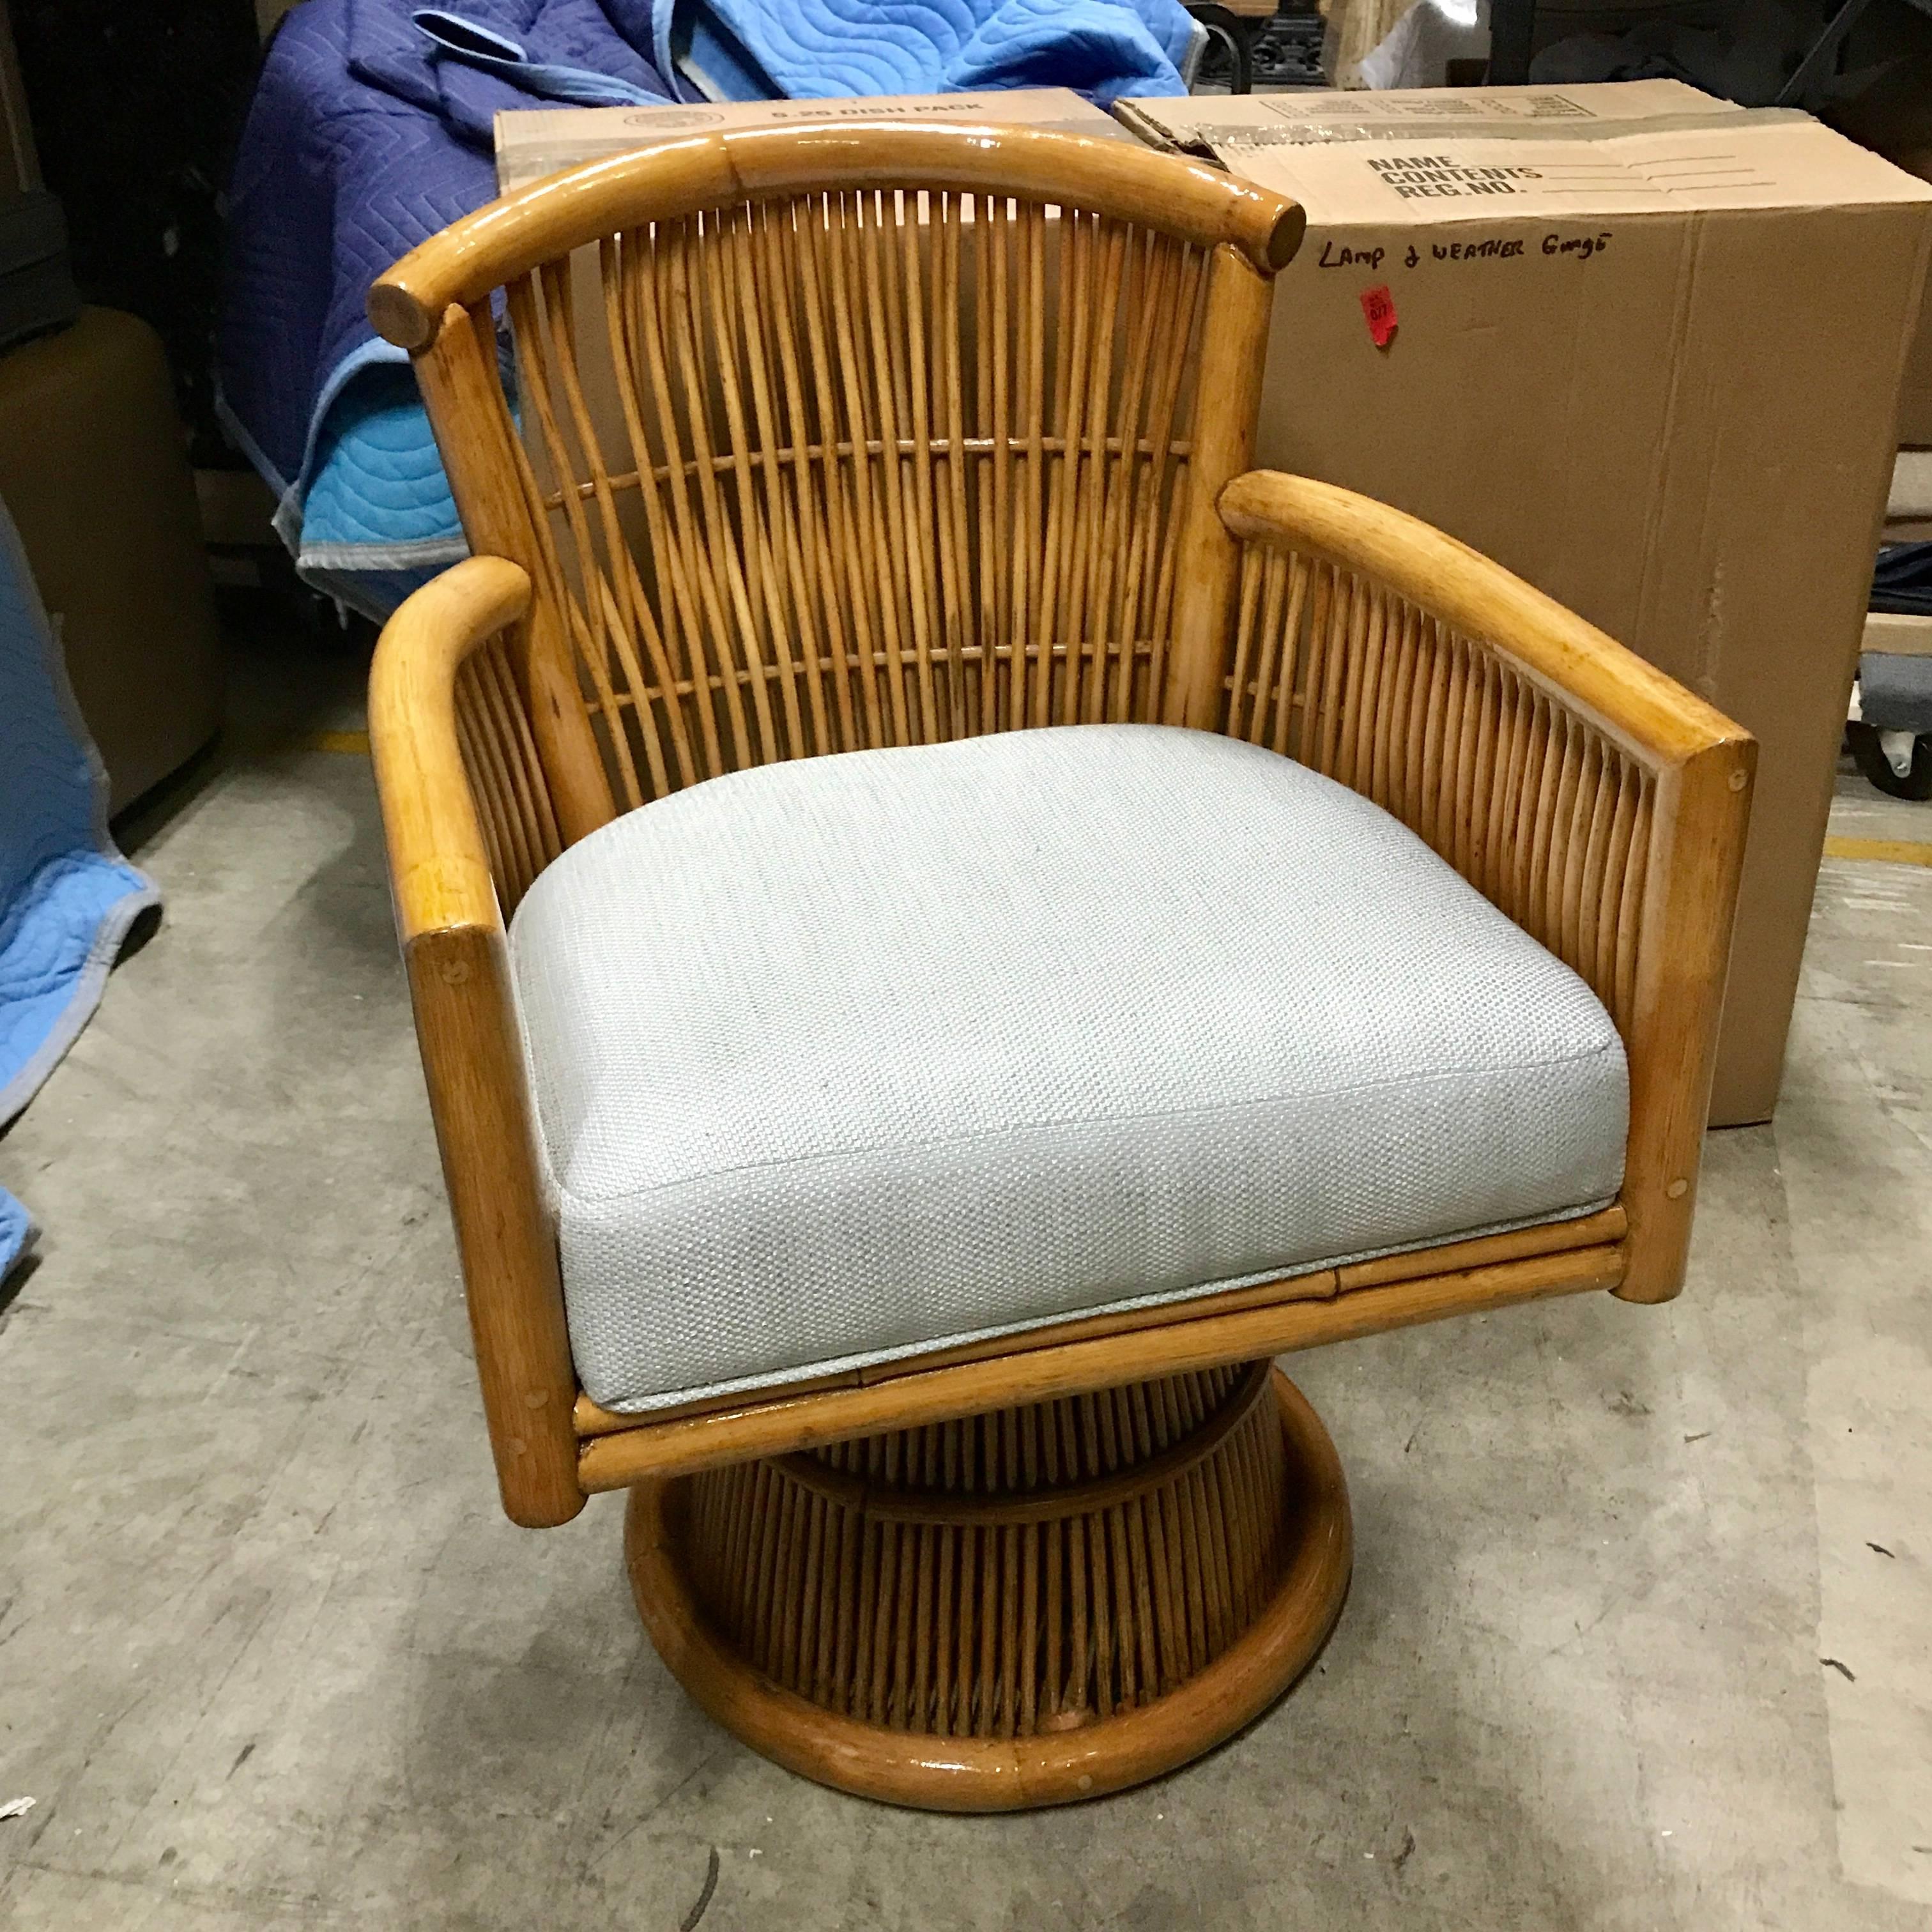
point(1886, 105)
point(1647, 354)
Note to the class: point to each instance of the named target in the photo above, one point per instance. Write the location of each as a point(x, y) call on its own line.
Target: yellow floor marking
point(353, 744)
point(1887, 851)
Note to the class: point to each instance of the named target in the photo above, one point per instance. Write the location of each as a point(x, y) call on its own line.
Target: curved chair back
point(844, 435)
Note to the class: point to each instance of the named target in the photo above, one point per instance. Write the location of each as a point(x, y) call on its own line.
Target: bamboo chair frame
point(906, 459)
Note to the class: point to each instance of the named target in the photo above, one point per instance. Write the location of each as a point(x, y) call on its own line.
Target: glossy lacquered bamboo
point(1023, 1609)
point(1598, 803)
point(447, 731)
point(1241, 303)
point(1592, 675)
point(672, 179)
point(490, 480)
point(881, 467)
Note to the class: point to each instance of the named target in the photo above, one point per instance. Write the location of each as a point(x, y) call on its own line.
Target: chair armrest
point(1589, 796)
point(441, 724)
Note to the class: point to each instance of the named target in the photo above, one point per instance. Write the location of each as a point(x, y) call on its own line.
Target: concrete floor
point(270, 1658)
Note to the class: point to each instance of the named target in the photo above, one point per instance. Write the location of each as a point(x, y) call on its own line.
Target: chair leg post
point(473, 1059)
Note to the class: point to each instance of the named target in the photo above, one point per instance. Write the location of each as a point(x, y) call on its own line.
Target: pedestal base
point(1024, 1608)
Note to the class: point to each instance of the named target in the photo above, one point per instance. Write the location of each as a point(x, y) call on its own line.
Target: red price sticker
point(1378, 311)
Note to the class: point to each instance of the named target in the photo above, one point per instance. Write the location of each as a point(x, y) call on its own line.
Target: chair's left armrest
point(1592, 798)
point(446, 885)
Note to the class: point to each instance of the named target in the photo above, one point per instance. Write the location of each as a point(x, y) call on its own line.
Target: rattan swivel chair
point(950, 925)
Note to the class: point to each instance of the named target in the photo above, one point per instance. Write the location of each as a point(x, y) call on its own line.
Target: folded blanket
point(371, 128)
point(364, 140)
point(814, 49)
point(67, 896)
point(365, 137)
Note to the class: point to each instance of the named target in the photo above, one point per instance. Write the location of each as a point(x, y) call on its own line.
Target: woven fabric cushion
point(842, 1059)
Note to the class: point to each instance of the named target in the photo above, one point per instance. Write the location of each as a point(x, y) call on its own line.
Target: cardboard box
point(1647, 354)
point(1908, 507)
point(1893, 634)
point(1915, 396)
point(541, 141)
point(93, 470)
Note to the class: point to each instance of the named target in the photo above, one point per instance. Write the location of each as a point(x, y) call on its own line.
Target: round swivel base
point(1023, 1608)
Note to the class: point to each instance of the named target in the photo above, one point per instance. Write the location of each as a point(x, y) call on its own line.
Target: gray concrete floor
point(270, 1658)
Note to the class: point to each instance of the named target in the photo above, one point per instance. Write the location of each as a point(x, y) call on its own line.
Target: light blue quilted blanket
point(67, 896)
point(752, 50)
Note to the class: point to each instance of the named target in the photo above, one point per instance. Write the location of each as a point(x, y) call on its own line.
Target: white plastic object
point(1898, 748)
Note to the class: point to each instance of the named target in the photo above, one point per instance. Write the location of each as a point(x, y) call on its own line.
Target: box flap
point(1433, 155)
point(1324, 116)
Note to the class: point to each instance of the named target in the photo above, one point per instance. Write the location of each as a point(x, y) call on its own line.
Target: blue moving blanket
point(67, 896)
point(372, 128)
point(815, 48)
point(362, 140)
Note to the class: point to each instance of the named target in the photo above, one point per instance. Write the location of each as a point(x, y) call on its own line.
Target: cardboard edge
point(1894, 634)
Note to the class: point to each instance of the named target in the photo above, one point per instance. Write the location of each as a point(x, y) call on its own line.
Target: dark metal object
point(1287, 50)
point(1231, 32)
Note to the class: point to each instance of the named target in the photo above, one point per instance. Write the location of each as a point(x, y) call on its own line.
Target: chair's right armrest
point(434, 752)
point(1591, 797)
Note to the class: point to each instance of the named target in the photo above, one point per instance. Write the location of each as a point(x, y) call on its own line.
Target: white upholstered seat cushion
point(842, 1059)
